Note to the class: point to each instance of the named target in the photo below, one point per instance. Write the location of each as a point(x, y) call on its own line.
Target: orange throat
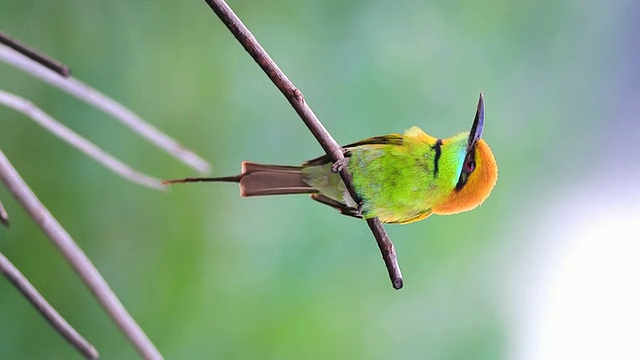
point(478, 186)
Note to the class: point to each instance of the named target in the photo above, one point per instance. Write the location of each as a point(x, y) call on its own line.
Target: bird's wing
point(344, 209)
point(392, 139)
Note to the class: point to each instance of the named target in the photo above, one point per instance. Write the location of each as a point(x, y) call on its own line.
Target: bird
point(399, 178)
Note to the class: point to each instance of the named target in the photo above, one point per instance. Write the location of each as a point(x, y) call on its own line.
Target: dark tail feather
point(259, 180)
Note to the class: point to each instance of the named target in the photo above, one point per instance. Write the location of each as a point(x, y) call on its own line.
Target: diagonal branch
point(77, 258)
point(4, 217)
point(100, 101)
point(295, 98)
point(35, 55)
point(53, 317)
point(43, 119)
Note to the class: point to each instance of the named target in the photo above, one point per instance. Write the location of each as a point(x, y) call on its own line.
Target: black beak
point(478, 125)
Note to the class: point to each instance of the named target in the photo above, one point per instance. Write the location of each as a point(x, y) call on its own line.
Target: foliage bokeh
point(208, 274)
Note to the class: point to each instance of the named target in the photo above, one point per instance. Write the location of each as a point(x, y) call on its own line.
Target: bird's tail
point(260, 180)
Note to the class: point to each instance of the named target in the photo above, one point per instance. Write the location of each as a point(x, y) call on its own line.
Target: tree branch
point(77, 258)
point(296, 99)
point(100, 101)
point(4, 217)
point(35, 55)
point(43, 119)
point(53, 317)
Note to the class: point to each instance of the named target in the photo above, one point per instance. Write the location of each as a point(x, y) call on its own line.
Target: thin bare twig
point(35, 55)
point(77, 258)
point(296, 99)
point(77, 141)
point(4, 217)
point(53, 317)
point(106, 104)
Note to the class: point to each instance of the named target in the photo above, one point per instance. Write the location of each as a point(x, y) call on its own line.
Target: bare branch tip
point(56, 320)
point(33, 54)
point(77, 259)
point(398, 283)
point(296, 99)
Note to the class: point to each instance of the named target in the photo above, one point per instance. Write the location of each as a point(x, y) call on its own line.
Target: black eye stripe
point(436, 159)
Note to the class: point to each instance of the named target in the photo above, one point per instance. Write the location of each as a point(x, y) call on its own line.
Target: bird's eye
point(470, 165)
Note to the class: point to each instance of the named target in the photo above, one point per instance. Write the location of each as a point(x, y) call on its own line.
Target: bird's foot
point(339, 165)
point(359, 208)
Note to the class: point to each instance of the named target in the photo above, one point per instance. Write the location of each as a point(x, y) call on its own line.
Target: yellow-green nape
point(415, 133)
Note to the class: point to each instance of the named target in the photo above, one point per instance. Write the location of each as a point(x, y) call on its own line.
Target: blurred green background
point(208, 274)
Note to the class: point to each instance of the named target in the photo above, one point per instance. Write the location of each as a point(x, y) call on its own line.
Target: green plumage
point(395, 176)
point(398, 178)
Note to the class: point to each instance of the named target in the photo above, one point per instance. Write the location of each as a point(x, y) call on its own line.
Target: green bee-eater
point(398, 178)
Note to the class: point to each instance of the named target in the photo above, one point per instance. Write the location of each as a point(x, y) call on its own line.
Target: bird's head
point(474, 168)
